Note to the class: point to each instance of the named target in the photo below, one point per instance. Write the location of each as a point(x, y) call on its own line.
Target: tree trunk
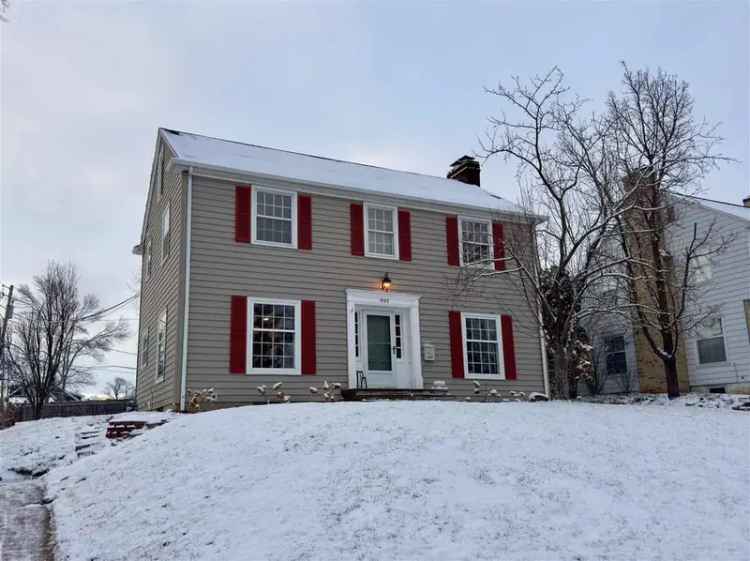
point(670, 372)
point(560, 368)
point(670, 364)
point(38, 405)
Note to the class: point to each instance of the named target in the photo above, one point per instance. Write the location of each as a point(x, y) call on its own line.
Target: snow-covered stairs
point(90, 439)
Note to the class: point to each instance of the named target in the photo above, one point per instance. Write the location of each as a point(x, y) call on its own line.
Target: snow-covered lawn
point(411, 480)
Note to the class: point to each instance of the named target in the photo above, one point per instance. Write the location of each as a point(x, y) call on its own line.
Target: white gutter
point(188, 231)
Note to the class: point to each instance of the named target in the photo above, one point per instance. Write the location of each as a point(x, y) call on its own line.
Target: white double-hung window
point(482, 346)
point(711, 342)
point(275, 336)
point(381, 232)
point(475, 241)
point(274, 217)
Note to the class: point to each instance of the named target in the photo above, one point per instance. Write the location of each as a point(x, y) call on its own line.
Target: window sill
point(483, 377)
point(272, 372)
point(381, 256)
point(159, 380)
point(706, 365)
point(275, 244)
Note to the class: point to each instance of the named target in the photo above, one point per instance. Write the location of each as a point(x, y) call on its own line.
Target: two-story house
point(262, 265)
point(715, 356)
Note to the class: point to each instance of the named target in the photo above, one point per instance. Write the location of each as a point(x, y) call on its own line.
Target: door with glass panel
point(383, 348)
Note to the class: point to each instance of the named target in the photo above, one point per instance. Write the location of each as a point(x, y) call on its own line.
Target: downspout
point(186, 306)
point(543, 345)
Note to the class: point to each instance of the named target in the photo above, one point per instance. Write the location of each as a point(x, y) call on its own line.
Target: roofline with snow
point(701, 200)
point(183, 164)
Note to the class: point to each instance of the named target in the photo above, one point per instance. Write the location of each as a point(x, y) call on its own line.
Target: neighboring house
point(262, 265)
point(718, 354)
point(715, 357)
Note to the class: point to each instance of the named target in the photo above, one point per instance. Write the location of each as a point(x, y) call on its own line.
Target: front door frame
point(388, 301)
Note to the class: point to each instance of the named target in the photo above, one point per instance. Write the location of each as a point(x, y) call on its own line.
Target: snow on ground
point(148, 417)
point(33, 447)
point(416, 480)
point(709, 400)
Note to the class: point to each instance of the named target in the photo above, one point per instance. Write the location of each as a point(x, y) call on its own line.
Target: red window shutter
point(357, 223)
point(404, 235)
point(242, 204)
point(238, 335)
point(451, 230)
point(308, 337)
point(304, 222)
point(509, 351)
point(498, 243)
point(457, 344)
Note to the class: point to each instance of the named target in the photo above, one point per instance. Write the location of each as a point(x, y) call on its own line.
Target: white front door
point(383, 348)
point(383, 339)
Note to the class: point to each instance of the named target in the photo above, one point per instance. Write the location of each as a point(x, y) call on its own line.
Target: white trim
point(254, 216)
point(390, 300)
point(490, 264)
point(366, 221)
point(500, 353)
point(297, 370)
point(186, 305)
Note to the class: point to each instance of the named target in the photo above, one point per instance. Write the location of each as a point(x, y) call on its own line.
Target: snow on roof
point(730, 208)
point(231, 156)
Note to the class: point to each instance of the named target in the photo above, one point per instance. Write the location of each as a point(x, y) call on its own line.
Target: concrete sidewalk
point(24, 522)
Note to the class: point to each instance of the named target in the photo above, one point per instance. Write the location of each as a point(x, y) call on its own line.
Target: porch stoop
point(353, 394)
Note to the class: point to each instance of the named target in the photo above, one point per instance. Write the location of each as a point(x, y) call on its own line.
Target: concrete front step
point(386, 393)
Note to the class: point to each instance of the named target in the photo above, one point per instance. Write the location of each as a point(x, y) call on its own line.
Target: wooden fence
point(76, 408)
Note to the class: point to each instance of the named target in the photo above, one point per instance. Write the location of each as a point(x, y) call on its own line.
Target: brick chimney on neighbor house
point(465, 169)
point(746, 201)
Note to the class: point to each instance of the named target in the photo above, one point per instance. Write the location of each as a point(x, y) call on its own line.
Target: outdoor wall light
point(385, 284)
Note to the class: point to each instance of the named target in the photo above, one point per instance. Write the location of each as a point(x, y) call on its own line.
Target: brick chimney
point(465, 169)
point(746, 201)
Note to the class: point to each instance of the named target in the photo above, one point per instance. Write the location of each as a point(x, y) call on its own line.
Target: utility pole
point(3, 334)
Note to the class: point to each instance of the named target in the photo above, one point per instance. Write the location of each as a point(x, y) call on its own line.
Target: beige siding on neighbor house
point(221, 267)
point(162, 289)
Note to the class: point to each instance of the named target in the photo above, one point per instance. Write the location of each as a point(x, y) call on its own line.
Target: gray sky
point(86, 84)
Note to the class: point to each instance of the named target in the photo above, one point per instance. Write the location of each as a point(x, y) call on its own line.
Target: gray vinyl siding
point(728, 287)
point(163, 288)
point(221, 267)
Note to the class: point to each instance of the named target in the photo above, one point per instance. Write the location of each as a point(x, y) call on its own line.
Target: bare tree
point(52, 331)
point(563, 162)
point(662, 151)
point(120, 388)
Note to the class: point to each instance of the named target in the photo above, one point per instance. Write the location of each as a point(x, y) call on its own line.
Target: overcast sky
point(86, 84)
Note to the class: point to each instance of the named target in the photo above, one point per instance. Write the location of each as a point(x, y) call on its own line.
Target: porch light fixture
point(385, 284)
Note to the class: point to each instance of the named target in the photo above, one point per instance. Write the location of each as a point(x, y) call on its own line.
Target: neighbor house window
point(165, 233)
point(274, 217)
point(145, 356)
point(711, 342)
point(703, 271)
point(476, 242)
point(614, 353)
point(482, 345)
point(381, 232)
point(147, 255)
point(275, 336)
point(161, 346)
